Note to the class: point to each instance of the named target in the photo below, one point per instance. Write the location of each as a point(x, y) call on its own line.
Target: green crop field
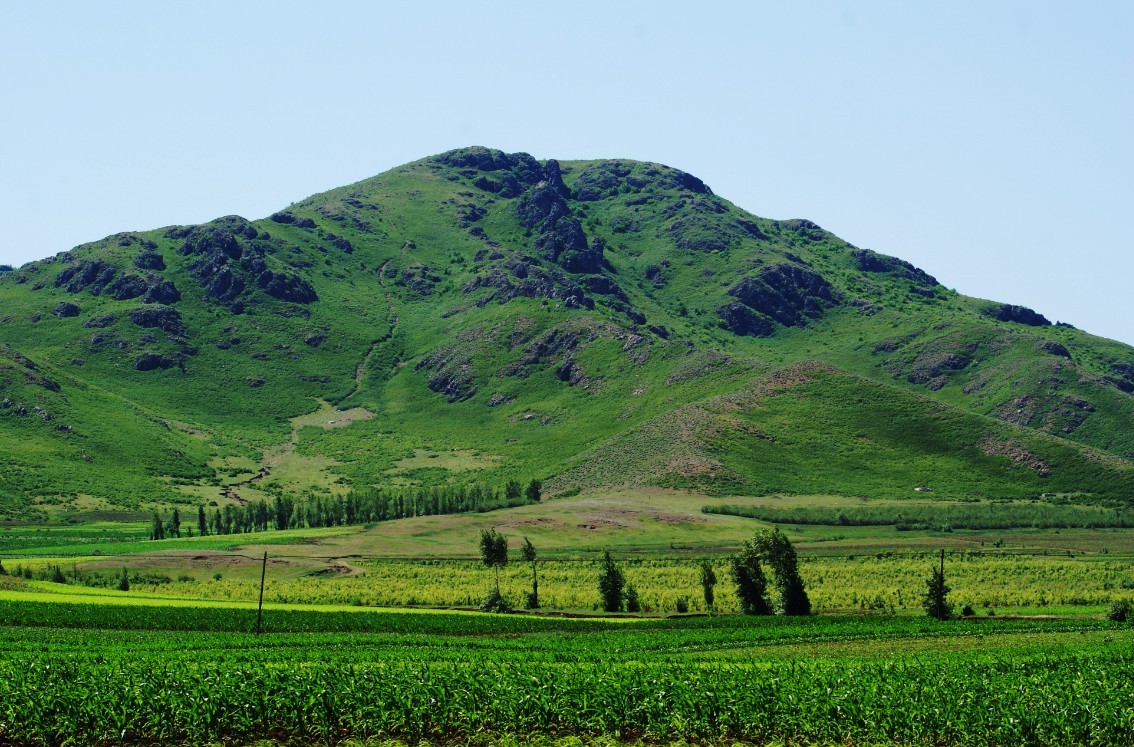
point(119, 674)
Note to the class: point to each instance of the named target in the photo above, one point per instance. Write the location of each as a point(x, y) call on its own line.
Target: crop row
point(1053, 700)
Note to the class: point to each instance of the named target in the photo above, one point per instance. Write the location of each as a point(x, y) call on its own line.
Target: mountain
point(479, 316)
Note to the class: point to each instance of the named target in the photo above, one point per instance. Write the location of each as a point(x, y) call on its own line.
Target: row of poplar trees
point(356, 507)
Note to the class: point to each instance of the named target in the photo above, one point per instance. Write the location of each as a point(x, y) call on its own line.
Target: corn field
point(106, 675)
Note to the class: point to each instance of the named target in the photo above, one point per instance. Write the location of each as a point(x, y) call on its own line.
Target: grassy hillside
point(484, 317)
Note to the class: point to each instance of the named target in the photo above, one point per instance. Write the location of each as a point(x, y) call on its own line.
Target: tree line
point(355, 507)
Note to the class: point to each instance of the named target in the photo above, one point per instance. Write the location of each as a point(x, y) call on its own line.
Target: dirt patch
point(677, 518)
point(1015, 453)
point(334, 570)
point(220, 561)
point(593, 522)
point(539, 521)
point(327, 418)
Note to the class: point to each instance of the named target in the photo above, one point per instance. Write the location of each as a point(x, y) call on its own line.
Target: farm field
point(658, 537)
point(370, 634)
point(884, 582)
point(112, 674)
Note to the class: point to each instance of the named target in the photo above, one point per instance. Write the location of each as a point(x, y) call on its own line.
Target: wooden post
point(260, 609)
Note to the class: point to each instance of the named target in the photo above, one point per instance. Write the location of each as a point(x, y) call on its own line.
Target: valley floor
point(369, 638)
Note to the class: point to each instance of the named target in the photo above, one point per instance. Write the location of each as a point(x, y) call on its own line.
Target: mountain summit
point(479, 316)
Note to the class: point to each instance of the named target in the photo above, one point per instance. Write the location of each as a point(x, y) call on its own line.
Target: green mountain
point(479, 316)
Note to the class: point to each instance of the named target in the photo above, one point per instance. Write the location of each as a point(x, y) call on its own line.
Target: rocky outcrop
point(609, 178)
point(153, 362)
point(161, 291)
point(1124, 376)
point(100, 321)
point(65, 309)
point(340, 243)
point(589, 260)
point(126, 287)
point(287, 218)
point(149, 259)
point(803, 228)
point(932, 367)
point(419, 278)
point(704, 224)
point(869, 261)
point(522, 276)
point(1053, 348)
point(92, 275)
point(504, 174)
point(543, 209)
point(452, 375)
point(285, 286)
point(786, 294)
point(741, 320)
point(1005, 312)
point(158, 317)
point(229, 260)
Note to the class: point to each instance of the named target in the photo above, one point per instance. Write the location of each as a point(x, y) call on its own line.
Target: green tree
point(494, 554)
point(708, 581)
point(936, 599)
point(528, 553)
point(534, 491)
point(3, 570)
point(610, 584)
point(633, 604)
point(57, 576)
point(157, 532)
point(124, 581)
point(202, 521)
point(176, 523)
point(774, 547)
point(751, 584)
point(512, 491)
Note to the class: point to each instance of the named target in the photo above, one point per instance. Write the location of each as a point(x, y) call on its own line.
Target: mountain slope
point(501, 317)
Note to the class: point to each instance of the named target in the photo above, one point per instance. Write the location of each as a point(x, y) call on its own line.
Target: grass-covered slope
point(814, 430)
point(490, 317)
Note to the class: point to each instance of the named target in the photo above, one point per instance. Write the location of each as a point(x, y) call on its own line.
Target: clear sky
point(988, 143)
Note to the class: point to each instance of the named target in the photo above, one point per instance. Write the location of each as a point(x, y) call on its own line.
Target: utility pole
point(263, 573)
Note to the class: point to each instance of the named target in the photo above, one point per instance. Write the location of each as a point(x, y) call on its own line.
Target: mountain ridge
point(483, 290)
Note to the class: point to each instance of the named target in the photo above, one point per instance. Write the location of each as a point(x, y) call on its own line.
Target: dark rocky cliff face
point(783, 293)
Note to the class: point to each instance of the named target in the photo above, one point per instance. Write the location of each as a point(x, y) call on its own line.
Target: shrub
point(1120, 611)
point(495, 602)
point(633, 604)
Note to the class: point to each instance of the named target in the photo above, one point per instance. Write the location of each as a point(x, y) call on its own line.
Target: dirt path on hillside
point(325, 416)
point(360, 372)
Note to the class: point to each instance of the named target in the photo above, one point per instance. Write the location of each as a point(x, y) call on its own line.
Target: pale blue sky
point(989, 143)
